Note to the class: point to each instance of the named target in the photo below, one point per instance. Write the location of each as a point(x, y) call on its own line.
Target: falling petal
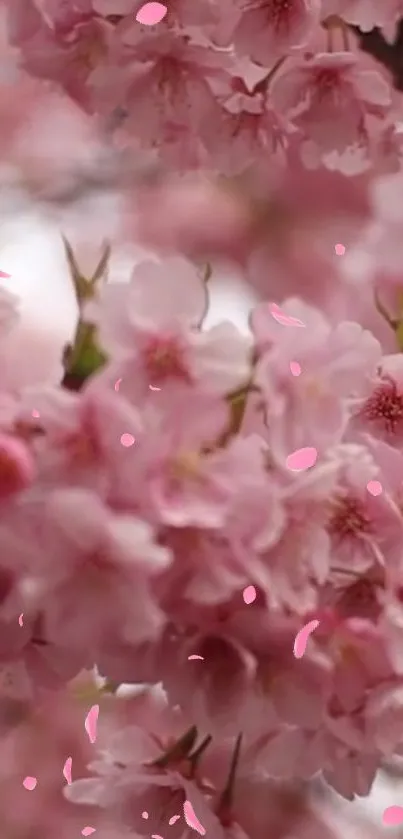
point(301, 639)
point(191, 818)
point(127, 440)
point(144, 814)
point(302, 459)
point(21, 619)
point(117, 384)
point(151, 13)
point(340, 250)
point(374, 487)
point(173, 820)
point(29, 782)
point(86, 831)
point(35, 414)
point(249, 594)
point(295, 368)
point(91, 723)
point(152, 387)
point(393, 815)
point(67, 770)
point(4, 276)
point(190, 657)
point(281, 317)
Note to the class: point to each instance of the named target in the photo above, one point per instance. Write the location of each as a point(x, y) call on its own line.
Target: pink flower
point(287, 585)
point(187, 479)
point(104, 559)
point(247, 135)
point(163, 83)
point(139, 505)
point(266, 29)
point(139, 771)
point(330, 99)
point(69, 50)
point(152, 328)
point(37, 747)
point(313, 408)
point(363, 533)
point(219, 694)
point(380, 413)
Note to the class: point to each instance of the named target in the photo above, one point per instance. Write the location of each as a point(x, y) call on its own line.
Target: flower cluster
point(158, 523)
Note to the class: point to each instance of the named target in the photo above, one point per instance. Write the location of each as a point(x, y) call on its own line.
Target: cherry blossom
point(201, 525)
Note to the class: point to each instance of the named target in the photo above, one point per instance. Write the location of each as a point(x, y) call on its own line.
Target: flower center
point(163, 359)
point(385, 407)
point(348, 519)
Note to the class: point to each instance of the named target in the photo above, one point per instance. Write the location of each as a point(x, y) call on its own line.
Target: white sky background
point(31, 251)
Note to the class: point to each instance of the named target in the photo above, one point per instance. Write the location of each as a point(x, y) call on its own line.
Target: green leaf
point(84, 358)
point(84, 287)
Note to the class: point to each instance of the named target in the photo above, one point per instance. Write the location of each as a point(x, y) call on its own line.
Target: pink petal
point(302, 459)
point(190, 657)
point(151, 13)
point(91, 723)
point(374, 487)
point(173, 820)
point(117, 384)
point(144, 814)
point(127, 440)
point(29, 782)
point(249, 594)
point(340, 250)
point(67, 770)
point(191, 818)
point(295, 368)
point(301, 639)
point(4, 276)
point(21, 619)
point(86, 831)
point(393, 815)
point(281, 317)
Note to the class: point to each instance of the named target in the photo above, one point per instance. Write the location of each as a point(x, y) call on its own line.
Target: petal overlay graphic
point(295, 368)
point(249, 594)
point(302, 459)
point(151, 13)
point(67, 770)
point(301, 639)
point(281, 317)
point(191, 818)
point(374, 487)
point(91, 721)
point(393, 816)
point(30, 782)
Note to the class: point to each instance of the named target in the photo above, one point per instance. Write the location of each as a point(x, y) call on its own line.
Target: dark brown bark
point(390, 55)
